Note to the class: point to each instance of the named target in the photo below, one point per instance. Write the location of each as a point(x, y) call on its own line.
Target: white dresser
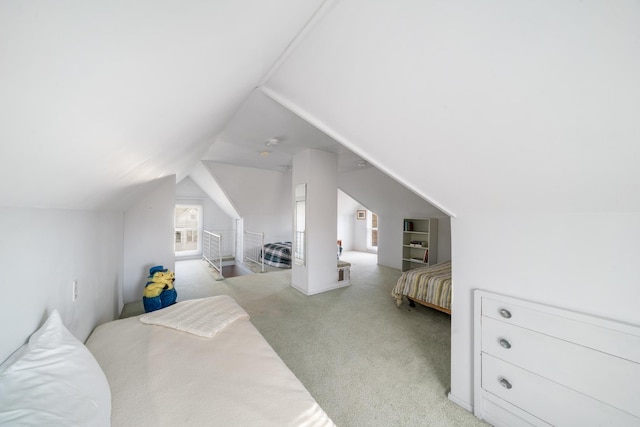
point(540, 365)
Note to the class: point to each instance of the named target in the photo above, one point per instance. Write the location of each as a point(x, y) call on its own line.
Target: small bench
point(344, 273)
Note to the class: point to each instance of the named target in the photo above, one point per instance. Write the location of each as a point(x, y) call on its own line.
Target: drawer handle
point(504, 343)
point(505, 313)
point(504, 383)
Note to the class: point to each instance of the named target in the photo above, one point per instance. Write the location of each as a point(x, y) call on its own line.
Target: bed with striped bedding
point(429, 286)
point(277, 254)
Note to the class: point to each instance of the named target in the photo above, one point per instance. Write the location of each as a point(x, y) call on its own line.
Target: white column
point(318, 170)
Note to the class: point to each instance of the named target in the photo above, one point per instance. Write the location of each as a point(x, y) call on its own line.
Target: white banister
point(212, 250)
point(253, 247)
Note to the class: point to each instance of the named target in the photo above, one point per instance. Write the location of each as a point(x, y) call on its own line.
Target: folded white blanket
point(204, 317)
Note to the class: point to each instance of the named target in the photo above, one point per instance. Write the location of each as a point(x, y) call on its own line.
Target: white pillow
point(53, 380)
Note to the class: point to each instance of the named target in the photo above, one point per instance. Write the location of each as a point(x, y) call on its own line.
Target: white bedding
point(203, 317)
point(164, 377)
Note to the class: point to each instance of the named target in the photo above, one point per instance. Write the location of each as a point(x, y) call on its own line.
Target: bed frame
point(413, 301)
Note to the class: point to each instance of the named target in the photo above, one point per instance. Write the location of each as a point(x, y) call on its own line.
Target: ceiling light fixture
point(265, 153)
point(272, 141)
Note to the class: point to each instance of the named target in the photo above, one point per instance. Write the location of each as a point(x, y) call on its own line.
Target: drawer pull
point(505, 313)
point(504, 343)
point(504, 383)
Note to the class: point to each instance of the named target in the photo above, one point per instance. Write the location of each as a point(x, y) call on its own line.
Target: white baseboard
point(299, 289)
point(464, 404)
point(342, 284)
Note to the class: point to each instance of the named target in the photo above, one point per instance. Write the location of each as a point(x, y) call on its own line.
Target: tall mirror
point(300, 223)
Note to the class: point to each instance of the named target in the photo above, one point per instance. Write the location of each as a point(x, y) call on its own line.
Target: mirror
point(300, 223)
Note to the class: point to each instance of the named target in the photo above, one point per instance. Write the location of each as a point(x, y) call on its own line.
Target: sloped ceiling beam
point(203, 176)
point(480, 107)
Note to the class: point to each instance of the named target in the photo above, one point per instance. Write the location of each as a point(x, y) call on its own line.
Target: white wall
point(149, 235)
point(214, 218)
point(202, 175)
point(360, 233)
point(392, 202)
point(346, 220)
point(261, 197)
point(582, 262)
point(519, 119)
point(43, 251)
point(351, 231)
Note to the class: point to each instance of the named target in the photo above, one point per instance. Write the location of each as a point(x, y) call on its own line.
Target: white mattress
point(163, 377)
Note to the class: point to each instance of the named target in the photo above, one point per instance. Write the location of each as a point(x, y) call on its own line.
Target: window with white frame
point(188, 229)
point(372, 231)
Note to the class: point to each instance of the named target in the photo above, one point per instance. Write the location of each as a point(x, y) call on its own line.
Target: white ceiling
point(98, 97)
point(492, 106)
point(243, 141)
point(504, 106)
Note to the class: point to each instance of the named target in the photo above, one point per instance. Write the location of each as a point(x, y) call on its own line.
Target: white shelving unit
point(419, 242)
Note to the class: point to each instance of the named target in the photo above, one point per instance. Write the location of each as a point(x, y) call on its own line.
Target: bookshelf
point(419, 242)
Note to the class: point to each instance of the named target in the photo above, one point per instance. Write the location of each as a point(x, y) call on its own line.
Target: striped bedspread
point(278, 254)
point(429, 284)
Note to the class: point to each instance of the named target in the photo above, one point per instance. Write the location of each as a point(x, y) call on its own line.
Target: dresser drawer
point(599, 334)
point(616, 381)
point(547, 400)
point(538, 365)
point(500, 413)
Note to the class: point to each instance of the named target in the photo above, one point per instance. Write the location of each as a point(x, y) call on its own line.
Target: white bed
point(160, 376)
point(215, 369)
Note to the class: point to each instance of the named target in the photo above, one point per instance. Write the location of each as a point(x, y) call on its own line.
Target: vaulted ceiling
point(264, 134)
point(98, 97)
point(478, 107)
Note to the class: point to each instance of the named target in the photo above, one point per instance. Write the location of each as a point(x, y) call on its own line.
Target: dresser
point(540, 365)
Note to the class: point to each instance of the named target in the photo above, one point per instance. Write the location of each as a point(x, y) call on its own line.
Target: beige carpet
point(366, 361)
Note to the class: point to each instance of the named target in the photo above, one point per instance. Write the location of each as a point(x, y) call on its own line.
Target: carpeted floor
point(366, 361)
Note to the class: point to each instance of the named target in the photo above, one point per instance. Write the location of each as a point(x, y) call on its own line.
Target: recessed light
point(265, 153)
point(272, 141)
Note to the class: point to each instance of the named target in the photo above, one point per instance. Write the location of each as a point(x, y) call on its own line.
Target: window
point(372, 231)
point(188, 228)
